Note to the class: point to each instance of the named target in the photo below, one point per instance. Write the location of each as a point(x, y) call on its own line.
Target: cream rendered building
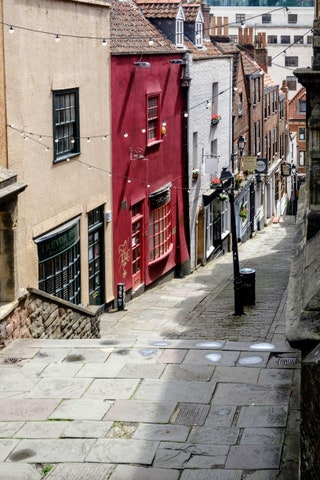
point(55, 137)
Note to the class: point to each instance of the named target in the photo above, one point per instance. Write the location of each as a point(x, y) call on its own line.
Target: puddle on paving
point(250, 360)
point(148, 352)
point(262, 346)
point(109, 342)
point(213, 357)
point(160, 344)
point(209, 344)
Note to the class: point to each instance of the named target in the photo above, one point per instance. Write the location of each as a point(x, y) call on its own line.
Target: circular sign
point(260, 166)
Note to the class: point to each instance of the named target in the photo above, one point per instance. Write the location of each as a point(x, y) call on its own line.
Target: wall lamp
point(142, 64)
point(241, 144)
point(177, 61)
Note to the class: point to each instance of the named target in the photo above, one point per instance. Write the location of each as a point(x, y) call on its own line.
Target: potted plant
point(215, 119)
point(195, 173)
point(223, 197)
point(215, 182)
point(238, 180)
point(243, 213)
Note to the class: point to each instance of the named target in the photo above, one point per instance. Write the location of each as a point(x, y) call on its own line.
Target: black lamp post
point(226, 179)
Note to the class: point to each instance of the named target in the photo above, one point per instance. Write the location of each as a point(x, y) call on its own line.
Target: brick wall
point(39, 315)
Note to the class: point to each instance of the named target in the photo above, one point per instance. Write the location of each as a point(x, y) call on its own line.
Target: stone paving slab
point(16, 409)
point(51, 450)
point(254, 457)
point(80, 471)
point(8, 471)
point(178, 433)
point(183, 391)
point(210, 474)
point(123, 472)
point(189, 455)
point(81, 409)
point(109, 389)
point(141, 411)
point(123, 451)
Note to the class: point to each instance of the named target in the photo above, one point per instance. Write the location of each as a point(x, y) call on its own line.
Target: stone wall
point(310, 416)
point(39, 315)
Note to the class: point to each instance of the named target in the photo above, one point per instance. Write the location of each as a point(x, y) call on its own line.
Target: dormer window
point(199, 34)
point(180, 28)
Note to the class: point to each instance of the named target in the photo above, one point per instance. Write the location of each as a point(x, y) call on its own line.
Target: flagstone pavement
point(176, 388)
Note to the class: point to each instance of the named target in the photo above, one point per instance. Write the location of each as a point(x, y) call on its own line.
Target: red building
point(149, 223)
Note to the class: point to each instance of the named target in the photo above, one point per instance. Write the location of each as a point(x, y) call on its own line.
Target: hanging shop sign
point(160, 197)
point(249, 163)
point(285, 169)
point(262, 166)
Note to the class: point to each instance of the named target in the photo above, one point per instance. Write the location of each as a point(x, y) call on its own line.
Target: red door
point(137, 245)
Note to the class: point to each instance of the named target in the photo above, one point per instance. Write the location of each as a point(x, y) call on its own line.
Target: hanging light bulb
point(104, 42)
point(56, 140)
point(125, 134)
point(129, 181)
point(11, 29)
point(143, 130)
point(72, 140)
point(88, 139)
point(89, 167)
point(57, 39)
point(151, 42)
point(186, 114)
point(40, 138)
point(207, 104)
point(104, 137)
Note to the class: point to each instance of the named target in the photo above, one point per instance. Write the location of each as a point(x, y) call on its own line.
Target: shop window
point(66, 126)
point(59, 262)
point(95, 256)
point(160, 225)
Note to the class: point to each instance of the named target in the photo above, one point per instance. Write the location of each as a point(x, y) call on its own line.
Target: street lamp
point(226, 180)
point(241, 144)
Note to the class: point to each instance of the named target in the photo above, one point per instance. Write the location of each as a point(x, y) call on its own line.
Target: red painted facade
point(147, 175)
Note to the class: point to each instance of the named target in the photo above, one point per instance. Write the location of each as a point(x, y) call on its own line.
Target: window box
point(215, 119)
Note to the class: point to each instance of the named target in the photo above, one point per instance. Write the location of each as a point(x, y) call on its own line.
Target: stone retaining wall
point(39, 315)
point(310, 416)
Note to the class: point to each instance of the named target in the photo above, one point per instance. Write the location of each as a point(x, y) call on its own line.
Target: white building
point(288, 34)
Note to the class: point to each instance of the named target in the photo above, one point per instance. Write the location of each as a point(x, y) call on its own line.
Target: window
point(195, 149)
point(292, 18)
point(282, 110)
point(233, 38)
point(160, 232)
point(199, 34)
point(302, 133)
point(179, 33)
point(291, 83)
point(302, 158)
point(66, 125)
point(269, 63)
point(266, 18)
point(256, 90)
point(95, 256)
point(59, 262)
point(153, 119)
point(257, 138)
point(298, 39)
point(240, 17)
point(274, 101)
point(272, 39)
point(285, 39)
point(302, 106)
point(291, 61)
point(240, 104)
point(215, 96)
point(309, 39)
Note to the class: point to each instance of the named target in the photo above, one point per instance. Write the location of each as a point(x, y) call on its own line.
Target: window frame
point(302, 133)
point(199, 34)
point(292, 18)
point(266, 18)
point(179, 32)
point(67, 131)
point(299, 106)
point(291, 61)
point(272, 39)
point(153, 122)
point(285, 39)
point(291, 82)
point(160, 232)
point(240, 17)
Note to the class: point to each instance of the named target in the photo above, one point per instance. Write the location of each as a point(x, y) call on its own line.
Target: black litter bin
point(248, 286)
